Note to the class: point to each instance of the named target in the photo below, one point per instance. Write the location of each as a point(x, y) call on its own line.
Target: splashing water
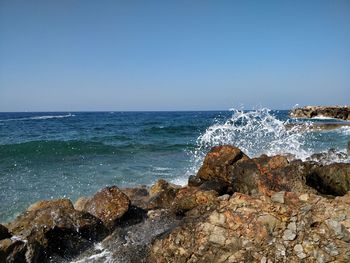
point(254, 132)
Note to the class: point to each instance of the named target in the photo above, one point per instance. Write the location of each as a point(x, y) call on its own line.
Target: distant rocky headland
point(337, 112)
point(235, 209)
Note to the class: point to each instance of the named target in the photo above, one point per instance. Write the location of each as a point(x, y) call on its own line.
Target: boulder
point(54, 227)
point(109, 204)
point(188, 198)
point(4, 232)
point(138, 196)
point(338, 112)
point(218, 161)
point(332, 179)
point(162, 195)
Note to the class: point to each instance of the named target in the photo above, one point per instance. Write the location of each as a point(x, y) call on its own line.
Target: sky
point(89, 55)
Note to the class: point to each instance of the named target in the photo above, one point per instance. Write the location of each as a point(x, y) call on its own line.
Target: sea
point(48, 155)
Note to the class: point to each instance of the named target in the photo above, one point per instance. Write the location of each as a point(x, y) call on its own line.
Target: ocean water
point(55, 154)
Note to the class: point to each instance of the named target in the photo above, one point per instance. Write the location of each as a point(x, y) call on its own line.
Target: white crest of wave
point(51, 117)
point(254, 132)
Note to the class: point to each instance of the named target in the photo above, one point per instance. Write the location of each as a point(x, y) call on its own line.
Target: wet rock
point(12, 251)
point(194, 181)
point(55, 227)
point(333, 179)
point(80, 203)
point(338, 112)
point(216, 186)
point(138, 196)
point(162, 195)
point(109, 204)
point(4, 232)
point(218, 161)
point(328, 157)
point(188, 198)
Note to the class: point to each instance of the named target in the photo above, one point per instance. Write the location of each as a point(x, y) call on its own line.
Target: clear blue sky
point(173, 55)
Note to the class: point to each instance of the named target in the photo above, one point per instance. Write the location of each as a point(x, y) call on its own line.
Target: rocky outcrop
point(303, 228)
point(109, 204)
point(51, 227)
point(338, 112)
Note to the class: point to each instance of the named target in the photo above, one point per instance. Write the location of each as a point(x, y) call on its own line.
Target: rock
point(338, 112)
point(109, 204)
point(278, 197)
point(188, 198)
point(216, 186)
point(217, 163)
point(332, 179)
point(348, 149)
point(138, 196)
point(4, 232)
point(162, 195)
point(328, 157)
point(255, 229)
point(54, 227)
point(80, 203)
point(290, 233)
point(194, 181)
point(12, 251)
point(57, 203)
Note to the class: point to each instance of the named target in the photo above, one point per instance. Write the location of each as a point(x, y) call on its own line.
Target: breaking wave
point(254, 132)
point(45, 117)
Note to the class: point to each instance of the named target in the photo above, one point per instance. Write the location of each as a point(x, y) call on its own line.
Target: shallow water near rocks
point(52, 155)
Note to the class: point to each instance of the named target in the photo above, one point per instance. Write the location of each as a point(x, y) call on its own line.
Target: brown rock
point(54, 227)
point(80, 203)
point(255, 229)
point(332, 179)
point(4, 232)
point(338, 112)
point(162, 195)
point(138, 196)
point(218, 161)
point(12, 251)
point(188, 198)
point(109, 204)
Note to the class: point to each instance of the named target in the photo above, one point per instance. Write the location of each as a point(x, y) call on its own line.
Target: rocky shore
point(337, 112)
point(235, 209)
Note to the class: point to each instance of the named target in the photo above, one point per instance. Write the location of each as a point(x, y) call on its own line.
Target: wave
point(45, 117)
point(254, 132)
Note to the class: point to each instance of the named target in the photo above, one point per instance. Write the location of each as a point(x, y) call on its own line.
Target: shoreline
point(159, 215)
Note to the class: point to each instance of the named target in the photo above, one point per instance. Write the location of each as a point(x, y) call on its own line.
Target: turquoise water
point(51, 155)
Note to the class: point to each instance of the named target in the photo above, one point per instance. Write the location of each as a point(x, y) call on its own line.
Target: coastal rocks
point(53, 227)
point(162, 195)
point(109, 204)
point(218, 161)
point(12, 251)
point(332, 179)
point(338, 112)
point(255, 229)
point(4, 232)
point(188, 198)
point(262, 175)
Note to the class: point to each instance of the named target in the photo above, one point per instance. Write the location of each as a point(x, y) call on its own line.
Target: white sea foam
point(40, 117)
point(101, 254)
point(254, 132)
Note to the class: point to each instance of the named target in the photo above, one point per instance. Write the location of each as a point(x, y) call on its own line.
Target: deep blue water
point(51, 155)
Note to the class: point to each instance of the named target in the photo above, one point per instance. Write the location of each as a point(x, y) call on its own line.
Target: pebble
point(278, 197)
